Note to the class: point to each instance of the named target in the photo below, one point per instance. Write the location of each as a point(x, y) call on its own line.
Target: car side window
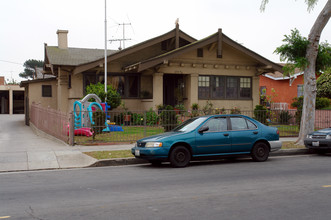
point(251, 125)
point(217, 124)
point(238, 123)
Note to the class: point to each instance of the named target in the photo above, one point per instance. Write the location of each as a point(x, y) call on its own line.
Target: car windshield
point(189, 125)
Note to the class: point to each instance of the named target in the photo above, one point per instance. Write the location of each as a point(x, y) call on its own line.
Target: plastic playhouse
point(83, 111)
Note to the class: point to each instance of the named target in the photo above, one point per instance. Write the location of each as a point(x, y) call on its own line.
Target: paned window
point(225, 87)
point(46, 90)
point(300, 90)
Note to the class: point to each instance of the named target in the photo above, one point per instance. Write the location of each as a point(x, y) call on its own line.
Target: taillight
point(277, 132)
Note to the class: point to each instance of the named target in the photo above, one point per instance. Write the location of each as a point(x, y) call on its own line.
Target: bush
point(285, 117)
point(322, 103)
point(151, 117)
point(261, 114)
point(113, 97)
point(168, 118)
point(99, 119)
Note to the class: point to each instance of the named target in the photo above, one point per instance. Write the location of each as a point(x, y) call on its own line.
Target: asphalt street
point(289, 187)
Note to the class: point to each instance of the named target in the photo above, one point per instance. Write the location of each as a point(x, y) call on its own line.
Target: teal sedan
point(210, 136)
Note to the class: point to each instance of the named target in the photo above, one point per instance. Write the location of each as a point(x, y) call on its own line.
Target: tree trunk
point(308, 109)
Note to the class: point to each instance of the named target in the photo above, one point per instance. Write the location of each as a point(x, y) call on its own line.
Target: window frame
point(44, 92)
point(100, 78)
point(212, 87)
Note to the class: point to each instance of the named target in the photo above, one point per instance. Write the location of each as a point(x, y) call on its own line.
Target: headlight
point(309, 136)
point(153, 144)
point(328, 136)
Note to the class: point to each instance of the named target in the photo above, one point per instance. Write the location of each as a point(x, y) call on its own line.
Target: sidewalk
point(23, 149)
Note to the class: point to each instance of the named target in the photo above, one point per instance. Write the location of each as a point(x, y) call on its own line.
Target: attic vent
point(200, 52)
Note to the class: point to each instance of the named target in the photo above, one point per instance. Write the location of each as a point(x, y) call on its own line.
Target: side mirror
point(203, 129)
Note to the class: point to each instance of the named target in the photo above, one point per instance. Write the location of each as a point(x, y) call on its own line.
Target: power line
point(6, 61)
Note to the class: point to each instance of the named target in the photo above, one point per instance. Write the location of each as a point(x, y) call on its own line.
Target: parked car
point(319, 141)
point(206, 136)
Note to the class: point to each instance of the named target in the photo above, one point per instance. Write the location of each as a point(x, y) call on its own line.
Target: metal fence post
point(72, 129)
point(145, 124)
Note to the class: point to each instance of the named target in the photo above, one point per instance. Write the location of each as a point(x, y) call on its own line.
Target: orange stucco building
point(281, 89)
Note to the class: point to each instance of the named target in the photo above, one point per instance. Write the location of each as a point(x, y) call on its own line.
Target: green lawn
point(130, 134)
point(287, 130)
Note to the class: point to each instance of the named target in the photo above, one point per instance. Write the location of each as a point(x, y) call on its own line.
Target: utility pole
point(106, 50)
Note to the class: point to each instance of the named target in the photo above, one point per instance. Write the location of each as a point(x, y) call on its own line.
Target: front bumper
point(275, 145)
point(150, 153)
point(318, 143)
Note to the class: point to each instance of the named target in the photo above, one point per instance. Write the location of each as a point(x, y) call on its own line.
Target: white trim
point(284, 78)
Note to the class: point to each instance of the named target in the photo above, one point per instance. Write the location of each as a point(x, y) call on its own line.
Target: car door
point(216, 137)
point(243, 133)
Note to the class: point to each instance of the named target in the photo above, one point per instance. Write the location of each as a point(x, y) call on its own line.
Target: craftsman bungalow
point(170, 69)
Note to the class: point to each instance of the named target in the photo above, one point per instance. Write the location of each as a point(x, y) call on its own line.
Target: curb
point(118, 162)
point(132, 160)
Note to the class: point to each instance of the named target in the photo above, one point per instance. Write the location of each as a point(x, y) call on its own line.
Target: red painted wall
point(284, 92)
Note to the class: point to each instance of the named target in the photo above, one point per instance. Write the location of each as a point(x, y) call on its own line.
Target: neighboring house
point(281, 89)
point(11, 98)
point(170, 69)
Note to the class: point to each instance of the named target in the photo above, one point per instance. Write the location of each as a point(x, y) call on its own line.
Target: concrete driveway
point(22, 149)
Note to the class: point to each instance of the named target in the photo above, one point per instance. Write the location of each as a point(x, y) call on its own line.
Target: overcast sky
point(27, 24)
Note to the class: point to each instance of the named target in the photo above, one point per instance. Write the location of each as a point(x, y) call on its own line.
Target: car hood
point(323, 131)
point(160, 137)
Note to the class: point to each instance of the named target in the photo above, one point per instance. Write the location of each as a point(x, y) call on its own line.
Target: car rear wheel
point(180, 157)
point(260, 152)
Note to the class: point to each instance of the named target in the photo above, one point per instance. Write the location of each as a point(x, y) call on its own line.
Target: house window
point(200, 52)
point(204, 87)
point(224, 87)
point(46, 91)
point(300, 90)
point(126, 85)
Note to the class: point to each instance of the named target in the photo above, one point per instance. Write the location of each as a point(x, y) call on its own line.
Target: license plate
point(316, 144)
point(137, 153)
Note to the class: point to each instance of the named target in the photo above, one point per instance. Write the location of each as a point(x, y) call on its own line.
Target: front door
point(173, 89)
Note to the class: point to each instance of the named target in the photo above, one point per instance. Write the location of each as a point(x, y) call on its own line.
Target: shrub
point(235, 110)
point(322, 103)
point(151, 117)
point(168, 118)
point(285, 117)
point(261, 113)
point(99, 118)
point(113, 97)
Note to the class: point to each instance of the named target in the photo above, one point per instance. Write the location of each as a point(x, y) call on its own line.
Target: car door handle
point(255, 132)
point(226, 135)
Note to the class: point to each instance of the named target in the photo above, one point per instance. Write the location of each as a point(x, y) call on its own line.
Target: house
point(11, 98)
point(170, 69)
point(281, 89)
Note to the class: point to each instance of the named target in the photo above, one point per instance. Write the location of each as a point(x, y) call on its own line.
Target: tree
point(324, 84)
point(113, 97)
point(308, 109)
point(29, 69)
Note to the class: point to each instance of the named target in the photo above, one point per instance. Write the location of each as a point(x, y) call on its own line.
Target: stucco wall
point(284, 93)
point(35, 94)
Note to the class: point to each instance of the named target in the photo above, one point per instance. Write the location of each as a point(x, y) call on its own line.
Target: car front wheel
point(180, 157)
point(260, 152)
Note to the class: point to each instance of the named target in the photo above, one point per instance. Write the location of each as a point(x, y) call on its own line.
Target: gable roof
point(218, 37)
point(73, 56)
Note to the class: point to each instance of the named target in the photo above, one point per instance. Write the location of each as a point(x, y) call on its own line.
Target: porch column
point(157, 89)
point(11, 101)
point(62, 91)
point(192, 90)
